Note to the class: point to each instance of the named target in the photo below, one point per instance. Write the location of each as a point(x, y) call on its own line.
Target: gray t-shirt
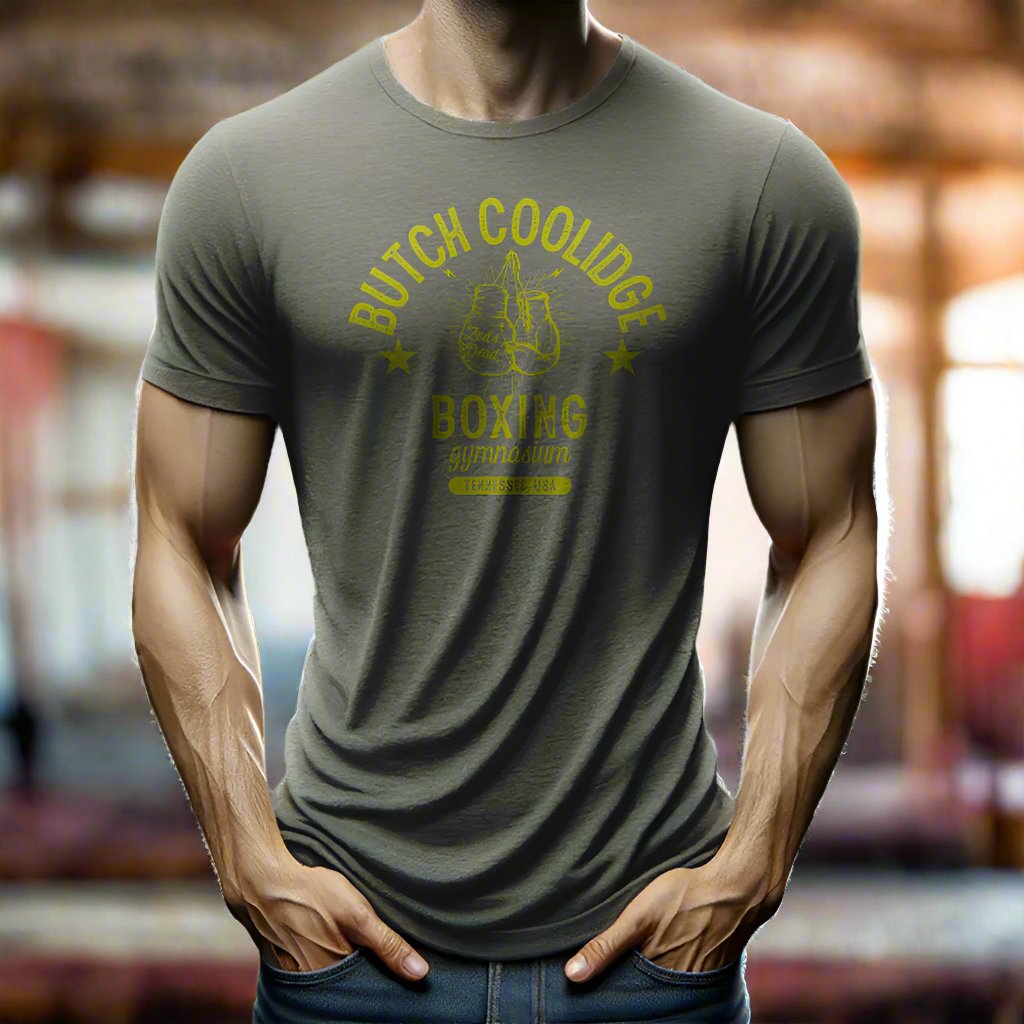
point(504, 358)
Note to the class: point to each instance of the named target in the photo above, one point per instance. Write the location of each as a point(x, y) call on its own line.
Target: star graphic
point(398, 357)
point(622, 357)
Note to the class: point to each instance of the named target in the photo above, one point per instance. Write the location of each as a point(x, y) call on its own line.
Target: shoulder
point(734, 140)
point(803, 178)
point(769, 165)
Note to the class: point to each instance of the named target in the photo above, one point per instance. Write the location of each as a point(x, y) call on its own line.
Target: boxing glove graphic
point(491, 344)
point(535, 343)
point(535, 347)
point(485, 342)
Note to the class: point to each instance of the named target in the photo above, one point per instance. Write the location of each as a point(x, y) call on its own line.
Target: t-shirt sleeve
point(801, 279)
point(212, 341)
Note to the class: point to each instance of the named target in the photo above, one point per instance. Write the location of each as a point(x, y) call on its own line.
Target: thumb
point(392, 948)
point(601, 950)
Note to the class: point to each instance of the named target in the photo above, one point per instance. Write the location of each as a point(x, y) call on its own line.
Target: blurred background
point(907, 903)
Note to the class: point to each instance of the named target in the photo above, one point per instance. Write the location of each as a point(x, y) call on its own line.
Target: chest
point(505, 324)
point(532, 278)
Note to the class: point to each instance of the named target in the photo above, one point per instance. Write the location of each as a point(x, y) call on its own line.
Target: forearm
point(198, 656)
point(812, 647)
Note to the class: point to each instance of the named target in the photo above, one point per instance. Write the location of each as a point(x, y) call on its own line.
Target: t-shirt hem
point(520, 943)
point(815, 382)
point(214, 392)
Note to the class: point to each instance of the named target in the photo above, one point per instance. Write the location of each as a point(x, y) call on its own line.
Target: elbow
point(142, 617)
point(153, 590)
point(866, 572)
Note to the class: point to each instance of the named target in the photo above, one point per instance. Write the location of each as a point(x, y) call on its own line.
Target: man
point(503, 279)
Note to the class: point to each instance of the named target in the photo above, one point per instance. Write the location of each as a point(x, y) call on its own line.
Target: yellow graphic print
point(508, 332)
point(622, 358)
point(398, 357)
point(492, 344)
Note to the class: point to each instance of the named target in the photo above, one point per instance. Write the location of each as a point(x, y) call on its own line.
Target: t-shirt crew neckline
point(596, 95)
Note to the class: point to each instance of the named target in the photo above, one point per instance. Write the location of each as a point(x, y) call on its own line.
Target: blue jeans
point(360, 989)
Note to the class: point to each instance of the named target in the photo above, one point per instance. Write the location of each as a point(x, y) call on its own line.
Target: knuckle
point(360, 918)
point(599, 949)
point(365, 914)
point(391, 946)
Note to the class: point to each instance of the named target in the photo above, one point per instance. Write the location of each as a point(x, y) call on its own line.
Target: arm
point(809, 470)
point(199, 473)
point(198, 477)
point(805, 419)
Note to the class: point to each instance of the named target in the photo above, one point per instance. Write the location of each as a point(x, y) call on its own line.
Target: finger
point(601, 950)
point(371, 931)
point(285, 960)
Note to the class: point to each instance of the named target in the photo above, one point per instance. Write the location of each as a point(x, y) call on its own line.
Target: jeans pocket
point(715, 976)
point(315, 977)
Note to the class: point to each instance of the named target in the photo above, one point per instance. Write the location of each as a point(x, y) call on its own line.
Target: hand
point(687, 919)
point(304, 918)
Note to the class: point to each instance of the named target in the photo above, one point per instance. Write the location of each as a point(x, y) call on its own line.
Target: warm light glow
point(983, 532)
point(986, 324)
point(887, 323)
point(983, 412)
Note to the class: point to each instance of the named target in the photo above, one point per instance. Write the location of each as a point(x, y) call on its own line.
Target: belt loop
point(538, 991)
point(493, 990)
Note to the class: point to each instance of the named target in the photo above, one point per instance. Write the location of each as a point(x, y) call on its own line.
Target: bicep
point(809, 467)
point(199, 471)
